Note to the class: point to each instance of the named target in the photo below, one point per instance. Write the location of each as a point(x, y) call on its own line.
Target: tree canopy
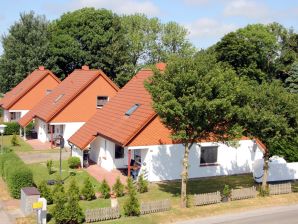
point(25, 47)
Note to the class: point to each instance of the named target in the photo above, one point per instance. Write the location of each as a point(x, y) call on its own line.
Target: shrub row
point(16, 174)
point(14, 128)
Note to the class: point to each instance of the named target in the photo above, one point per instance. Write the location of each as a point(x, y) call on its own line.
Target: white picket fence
point(155, 206)
point(243, 193)
point(284, 188)
point(207, 198)
point(100, 214)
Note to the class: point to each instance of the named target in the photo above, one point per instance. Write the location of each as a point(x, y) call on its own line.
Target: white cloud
point(246, 8)
point(198, 2)
point(209, 28)
point(119, 6)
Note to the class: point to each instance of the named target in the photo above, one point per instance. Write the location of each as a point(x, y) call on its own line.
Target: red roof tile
point(111, 121)
point(63, 94)
point(23, 87)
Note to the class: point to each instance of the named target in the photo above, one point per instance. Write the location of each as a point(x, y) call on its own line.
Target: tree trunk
point(184, 176)
point(266, 170)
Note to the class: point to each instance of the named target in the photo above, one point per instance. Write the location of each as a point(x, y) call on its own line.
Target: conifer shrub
point(132, 204)
point(142, 184)
point(74, 190)
point(14, 140)
point(88, 192)
point(50, 166)
point(105, 189)
point(45, 192)
point(118, 188)
point(58, 210)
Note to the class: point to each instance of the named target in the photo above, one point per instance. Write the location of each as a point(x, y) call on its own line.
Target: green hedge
point(12, 128)
point(16, 174)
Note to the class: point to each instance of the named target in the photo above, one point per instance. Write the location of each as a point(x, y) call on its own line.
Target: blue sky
point(206, 20)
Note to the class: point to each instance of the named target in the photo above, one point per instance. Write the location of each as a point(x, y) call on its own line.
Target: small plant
point(74, 190)
point(14, 140)
point(118, 188)
point(132, 204)
point(105, 189)
point(226, 193)
point(45, 192)
point(264, 193)
point(88, 190)
point(50, 166)
point(142, 184)
point(74, 162)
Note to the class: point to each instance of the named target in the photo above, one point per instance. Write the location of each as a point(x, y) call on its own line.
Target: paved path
point(37, 157)
point(9, 211)
point(273, 215)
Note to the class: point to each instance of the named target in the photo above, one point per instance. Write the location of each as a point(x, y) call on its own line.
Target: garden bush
point(118, 188)
point(132, 204)
point(142, 184)
point(14, 140)
point(105, 189)
point(45, 192)
point(15, 173)
point(74, 162)
point(88, 190)
point(74, 190)
point(12, 128)
point(50, 166)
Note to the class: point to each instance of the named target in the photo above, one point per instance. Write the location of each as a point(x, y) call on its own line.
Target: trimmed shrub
point(14, 140)
point(45, 192)
point(142, 184)
point(11, 128)
point(73, 212)
point(105, 189)
point(74, 162)
point(58, 210)
point(50, 166)
point(226, 191)
point(88, 190)
point(118, 188)
point(132, 204)
point(7, 157)
point(18, 176)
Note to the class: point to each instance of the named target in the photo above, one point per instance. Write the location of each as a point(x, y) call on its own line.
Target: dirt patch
point(4, 194)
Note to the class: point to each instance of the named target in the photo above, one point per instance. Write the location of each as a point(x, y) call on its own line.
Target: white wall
point(279, 170)
point(164, 162)
point(6, 116)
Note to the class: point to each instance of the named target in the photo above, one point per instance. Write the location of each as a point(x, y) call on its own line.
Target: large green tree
point(292, 80)
point(195, 98)
point(25, 47)
point(94, 37)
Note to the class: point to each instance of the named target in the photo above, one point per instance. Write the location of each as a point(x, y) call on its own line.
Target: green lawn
point(22, 147)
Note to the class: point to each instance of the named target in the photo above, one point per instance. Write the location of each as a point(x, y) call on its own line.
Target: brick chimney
point(41, 68)
point(85, 67)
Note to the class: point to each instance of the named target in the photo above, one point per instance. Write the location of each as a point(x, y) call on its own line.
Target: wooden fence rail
point(155, 206)
point(100, 214)
point(285, 188)
point(206, 199)
point(243, 193)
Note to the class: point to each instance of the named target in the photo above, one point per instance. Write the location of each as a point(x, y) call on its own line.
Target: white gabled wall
point(6, 114)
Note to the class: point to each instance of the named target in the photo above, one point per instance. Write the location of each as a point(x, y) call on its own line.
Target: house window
point(101, 101)
point(208, 155)
point(132, 109)
point(119, 152)
point(51, 127)
point(13, 116)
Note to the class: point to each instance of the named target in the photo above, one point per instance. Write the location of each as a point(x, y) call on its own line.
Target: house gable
point(83, 106)
point(35, 94)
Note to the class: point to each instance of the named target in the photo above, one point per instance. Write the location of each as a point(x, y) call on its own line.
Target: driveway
point(273, 215)
point(37, 157)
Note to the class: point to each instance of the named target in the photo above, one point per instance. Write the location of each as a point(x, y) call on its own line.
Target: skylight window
point(58, 98)
point(132, 109)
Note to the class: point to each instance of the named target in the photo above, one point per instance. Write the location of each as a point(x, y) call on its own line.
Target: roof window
point(58, 98)
point(132, 109)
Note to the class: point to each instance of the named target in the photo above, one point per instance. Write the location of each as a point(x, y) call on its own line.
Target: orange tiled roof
point(111, 121)
point(63, 94)
point(23, 87)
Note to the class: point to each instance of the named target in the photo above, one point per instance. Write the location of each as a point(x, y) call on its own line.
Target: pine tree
point(142, 184)
point(118, 188)
point(74, 190)
point(58, 211)
point(45, 192)
point(132, 204)
point(105, 189)
point(88, 190)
